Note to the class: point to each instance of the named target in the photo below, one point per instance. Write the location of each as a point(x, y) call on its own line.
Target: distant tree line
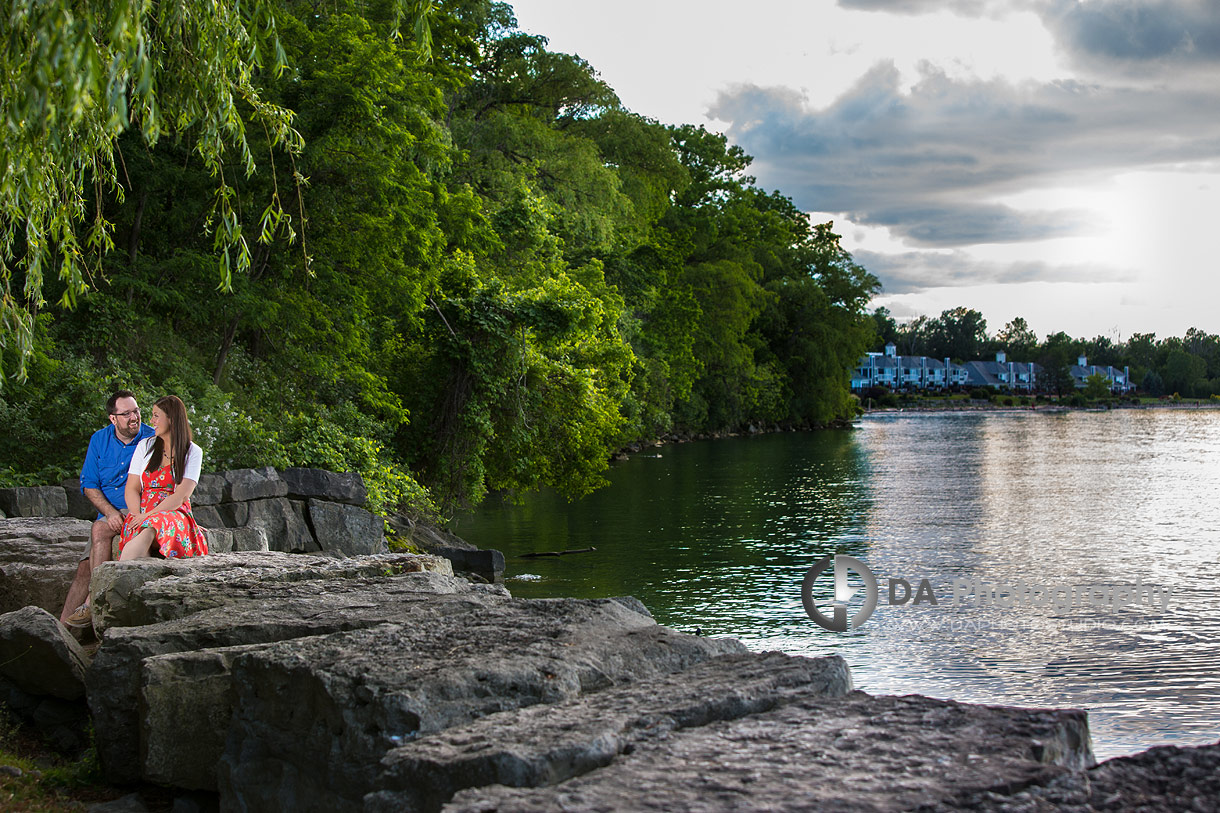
point(477, 270)
point(1188, 366)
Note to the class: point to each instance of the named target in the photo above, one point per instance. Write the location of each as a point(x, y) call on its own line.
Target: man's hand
point(115, 521)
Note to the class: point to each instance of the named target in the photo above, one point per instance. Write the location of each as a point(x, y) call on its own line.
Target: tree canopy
point(506, 275)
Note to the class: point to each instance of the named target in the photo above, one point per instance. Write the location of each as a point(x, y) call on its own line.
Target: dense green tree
point(958, 333)
point(1096, 386)
point(886, 329)
point(75, 77)
point(1017, 340)
point(1185, 373)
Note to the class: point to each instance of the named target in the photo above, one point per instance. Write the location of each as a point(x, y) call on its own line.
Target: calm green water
point(718, 536)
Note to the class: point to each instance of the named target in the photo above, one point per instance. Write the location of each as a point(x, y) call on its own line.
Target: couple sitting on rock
point(130, 463)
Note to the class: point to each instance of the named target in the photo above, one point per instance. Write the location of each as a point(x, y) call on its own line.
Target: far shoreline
point(1051, 408)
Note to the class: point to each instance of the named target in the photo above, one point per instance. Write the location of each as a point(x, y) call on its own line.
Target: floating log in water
point(554, 553)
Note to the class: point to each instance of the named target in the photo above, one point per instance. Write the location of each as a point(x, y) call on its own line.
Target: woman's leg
point(139, 547)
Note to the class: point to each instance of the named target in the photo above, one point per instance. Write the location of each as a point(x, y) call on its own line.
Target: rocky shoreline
point(265, 680)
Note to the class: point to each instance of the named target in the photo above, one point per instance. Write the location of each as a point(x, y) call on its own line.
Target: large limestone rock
point(1159, 779)
point(346, 529)
point(283, 521)
point(543, 745)
point(62, 724)
point(149, 591)
point(38, 560)
point(343, 487)
point(185, 698)
point(39, 656)
point(314, 716)
point(41, 678)
point(34, 501)
point(210, 490)
point(190, 694)
point(208, 517)
point(78, 504)
point(254, 484)
point(230, 540)
point(214, 602)
point(487, 564)
point(854, 753)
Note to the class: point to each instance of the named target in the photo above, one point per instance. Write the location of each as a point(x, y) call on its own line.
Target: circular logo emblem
point(843, 593)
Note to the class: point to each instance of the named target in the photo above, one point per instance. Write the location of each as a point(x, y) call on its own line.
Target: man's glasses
point(127, 414)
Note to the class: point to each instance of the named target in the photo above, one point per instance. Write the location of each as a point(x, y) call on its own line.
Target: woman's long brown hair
point(172, 407)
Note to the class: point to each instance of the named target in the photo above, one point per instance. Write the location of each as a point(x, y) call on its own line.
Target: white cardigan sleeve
point(139, 460)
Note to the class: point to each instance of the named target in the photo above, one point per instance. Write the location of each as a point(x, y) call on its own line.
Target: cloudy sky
point(1057, 160)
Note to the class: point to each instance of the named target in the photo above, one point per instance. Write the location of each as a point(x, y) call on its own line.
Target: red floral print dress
point(177, 535)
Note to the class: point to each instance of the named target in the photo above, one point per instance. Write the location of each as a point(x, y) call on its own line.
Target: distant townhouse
point(895, 372)
point(1119, 380)
point(906, 372)
point(1001, 374)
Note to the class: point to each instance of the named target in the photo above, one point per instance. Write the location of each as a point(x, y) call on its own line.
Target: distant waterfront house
point(906, 372)
point(1001, 373)
point(897, 372)
point(1119, 380)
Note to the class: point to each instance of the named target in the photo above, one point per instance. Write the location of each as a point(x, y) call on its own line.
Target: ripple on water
point(718, 535)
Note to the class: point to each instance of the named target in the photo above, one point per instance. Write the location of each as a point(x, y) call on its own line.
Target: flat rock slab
point(543, 745)
point(854, 753)
point(150, 591)
point(314, 716)
point(38, 558)
point(1166, 778)
point(39, 656)
point(260, 612)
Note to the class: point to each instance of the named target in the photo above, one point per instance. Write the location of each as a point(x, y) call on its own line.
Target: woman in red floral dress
point(163, 474)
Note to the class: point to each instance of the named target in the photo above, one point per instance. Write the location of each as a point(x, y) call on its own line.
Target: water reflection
point(718, 536)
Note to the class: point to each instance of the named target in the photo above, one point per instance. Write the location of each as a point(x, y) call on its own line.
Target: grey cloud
point(928, 162)
point(973, 224)
point(1126, 35)
point(1175, 32)
point(914, 271)
point(967, 7)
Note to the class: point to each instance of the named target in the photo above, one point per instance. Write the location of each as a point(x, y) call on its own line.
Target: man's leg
point(100, 544)
point(99, 551)
point(78, 591)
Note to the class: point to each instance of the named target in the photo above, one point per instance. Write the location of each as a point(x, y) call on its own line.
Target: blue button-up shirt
point(107, 461)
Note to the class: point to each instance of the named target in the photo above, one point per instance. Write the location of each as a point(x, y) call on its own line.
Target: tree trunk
point(133, 242)
point(225, 345)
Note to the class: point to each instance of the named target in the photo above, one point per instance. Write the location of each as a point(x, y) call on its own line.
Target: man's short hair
point(113, 400)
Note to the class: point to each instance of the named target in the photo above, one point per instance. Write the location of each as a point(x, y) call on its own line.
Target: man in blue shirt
point(103, 479)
